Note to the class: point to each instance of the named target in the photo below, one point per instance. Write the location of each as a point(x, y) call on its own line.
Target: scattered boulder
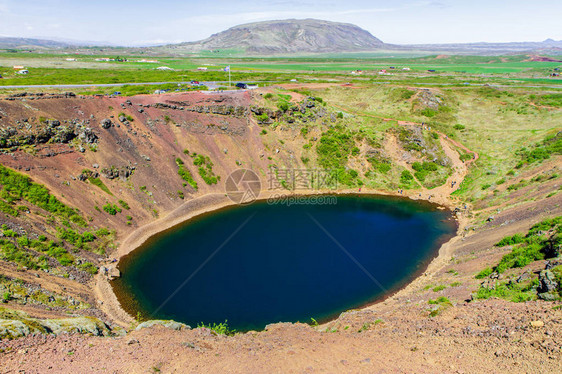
point(88, 136)
point(537, 324)
point(106, 123)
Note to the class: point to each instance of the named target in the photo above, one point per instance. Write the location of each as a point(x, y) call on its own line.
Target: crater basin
point(260, 264)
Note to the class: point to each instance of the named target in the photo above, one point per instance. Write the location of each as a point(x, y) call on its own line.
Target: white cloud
point(4, 7)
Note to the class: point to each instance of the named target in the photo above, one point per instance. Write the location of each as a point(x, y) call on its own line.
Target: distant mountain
point(23, 43)
point(39, 43)
point(547, 46)
point(287, 37)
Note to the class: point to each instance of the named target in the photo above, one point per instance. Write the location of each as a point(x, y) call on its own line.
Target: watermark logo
point(243, 186)
point(301, 179)
point(289, 200)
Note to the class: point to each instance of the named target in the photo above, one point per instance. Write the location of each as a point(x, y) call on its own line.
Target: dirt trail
point(459, 167)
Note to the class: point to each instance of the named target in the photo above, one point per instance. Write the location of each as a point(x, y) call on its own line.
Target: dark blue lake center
point(260, 264)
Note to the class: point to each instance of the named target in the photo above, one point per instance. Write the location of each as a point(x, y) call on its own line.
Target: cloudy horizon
point(131, 23)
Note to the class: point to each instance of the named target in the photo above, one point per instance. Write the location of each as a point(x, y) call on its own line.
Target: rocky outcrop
point(113, 173)
point(87, 135)
point(167, 324)
point(548, 287)
point(21, 325)
point(51, 131)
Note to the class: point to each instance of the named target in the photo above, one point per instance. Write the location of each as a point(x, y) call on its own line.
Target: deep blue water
point(274, 263)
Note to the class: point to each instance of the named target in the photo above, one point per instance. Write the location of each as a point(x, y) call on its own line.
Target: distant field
point(54, 69)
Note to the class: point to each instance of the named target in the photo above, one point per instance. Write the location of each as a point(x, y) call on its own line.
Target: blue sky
point(137, 22)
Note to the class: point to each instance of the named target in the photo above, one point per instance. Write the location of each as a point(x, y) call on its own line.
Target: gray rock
point(167, 324)
point(12, 329)
point(80, 325)
point(23, 326)
point(547, 282)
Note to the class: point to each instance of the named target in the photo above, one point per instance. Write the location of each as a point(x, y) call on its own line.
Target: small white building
point(165, 68)
point(23, 71)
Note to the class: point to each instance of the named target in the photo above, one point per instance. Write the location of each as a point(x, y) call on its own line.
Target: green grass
point(16, 186)
point(219, 328)
point(98, 183)
point(512, 291)
point(334, 150)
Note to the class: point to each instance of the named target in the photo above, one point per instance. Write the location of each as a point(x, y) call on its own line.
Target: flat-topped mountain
point(289, 36)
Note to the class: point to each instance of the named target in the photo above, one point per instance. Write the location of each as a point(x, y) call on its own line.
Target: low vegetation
point(542, 241)
point(185, 174)
point(205, 168)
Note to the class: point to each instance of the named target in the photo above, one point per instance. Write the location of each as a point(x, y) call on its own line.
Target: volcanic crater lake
point(260, 264)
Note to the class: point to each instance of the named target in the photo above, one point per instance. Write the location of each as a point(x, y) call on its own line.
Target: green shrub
point(484, 273)
point(423, 169)
point(124, 204)
point(406, 177)
point(110, 209)
point(16, 186)
point(428, 112)
point(9, 252)
point(185, 174)
point(442, 300)
point(219, 328)
point(206, 169)
point(511, 291)
point(283, 106)
point(510, 240)
point(88, 267)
